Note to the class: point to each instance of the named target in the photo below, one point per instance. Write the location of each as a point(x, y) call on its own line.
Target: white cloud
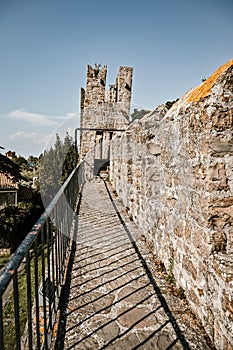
point(34, 136)
point(28, 135)
point(26, 143)
point(35, 118)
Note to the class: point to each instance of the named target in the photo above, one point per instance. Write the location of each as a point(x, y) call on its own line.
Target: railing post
point(45, 250)
point(29, 299)
point(1, 326)
point(16, 305)
point(36, 294)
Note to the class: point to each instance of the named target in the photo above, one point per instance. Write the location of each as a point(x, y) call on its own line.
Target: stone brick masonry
point(104, 109)
point(173, 171)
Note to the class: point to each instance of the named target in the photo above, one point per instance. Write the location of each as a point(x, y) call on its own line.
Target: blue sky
point(46, 45)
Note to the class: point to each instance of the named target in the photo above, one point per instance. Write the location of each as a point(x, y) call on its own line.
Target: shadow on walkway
point(110, 299)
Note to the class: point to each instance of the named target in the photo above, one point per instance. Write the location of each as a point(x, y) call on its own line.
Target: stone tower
point(104, 110)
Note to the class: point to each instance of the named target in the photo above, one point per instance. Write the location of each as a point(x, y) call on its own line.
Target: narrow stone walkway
point(115, 296)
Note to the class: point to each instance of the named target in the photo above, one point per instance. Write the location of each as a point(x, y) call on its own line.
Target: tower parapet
point(95, 86)
point(124, 86)
point(104, 109)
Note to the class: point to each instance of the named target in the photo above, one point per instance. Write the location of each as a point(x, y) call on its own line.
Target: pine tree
point(56, 165)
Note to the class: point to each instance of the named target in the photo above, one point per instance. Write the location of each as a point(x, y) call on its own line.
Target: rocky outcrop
point(173, 171)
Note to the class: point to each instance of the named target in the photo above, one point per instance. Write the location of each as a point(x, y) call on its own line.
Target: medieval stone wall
point(173, 171)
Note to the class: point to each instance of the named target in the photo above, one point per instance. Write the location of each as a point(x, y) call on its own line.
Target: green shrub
point(17, 221)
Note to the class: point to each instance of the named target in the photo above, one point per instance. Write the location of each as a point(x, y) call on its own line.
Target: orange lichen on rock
point(204, 89)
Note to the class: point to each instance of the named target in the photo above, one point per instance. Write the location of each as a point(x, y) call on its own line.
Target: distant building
point(11, 192)
point(8, 191)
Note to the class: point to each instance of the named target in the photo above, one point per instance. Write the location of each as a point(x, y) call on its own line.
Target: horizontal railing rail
point(31, 282)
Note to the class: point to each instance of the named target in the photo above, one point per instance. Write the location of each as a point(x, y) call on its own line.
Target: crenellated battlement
point(96, 92)
point(102, 108)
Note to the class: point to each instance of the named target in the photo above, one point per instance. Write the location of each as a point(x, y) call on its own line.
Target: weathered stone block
point(183, 179)
point(227, 306)
point(188, 265)
point(218, 242)
point(217, 177)
point(154, 149)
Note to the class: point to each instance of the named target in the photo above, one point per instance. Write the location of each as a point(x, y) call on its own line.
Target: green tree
point(16, 222)
point(138, 114)
point(56, 165)
point(71, 157)
point(9, 168)
point(33, 162)
point(21, 162)
point(169, 104)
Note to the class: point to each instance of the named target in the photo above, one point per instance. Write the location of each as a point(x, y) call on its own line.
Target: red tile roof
point(7, 182)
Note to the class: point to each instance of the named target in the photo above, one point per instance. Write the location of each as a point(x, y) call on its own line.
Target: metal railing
point(31, 282)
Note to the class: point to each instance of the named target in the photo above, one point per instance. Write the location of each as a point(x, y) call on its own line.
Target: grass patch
point(3, 260)
point(9, 309)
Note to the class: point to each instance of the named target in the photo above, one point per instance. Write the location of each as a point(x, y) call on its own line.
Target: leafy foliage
point(29, 168)
point(16, 222)
point(138, 114)
point(8, 167)
point(56, 165)
point(33, 162)
point(71, 158)
point(3, 260)
point(169, 104)
point(21, 162)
